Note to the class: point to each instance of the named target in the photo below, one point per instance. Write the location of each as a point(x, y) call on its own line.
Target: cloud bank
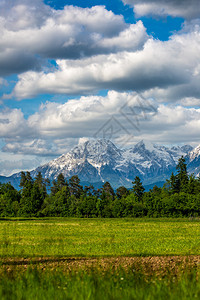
point(118, 116)
point(167, 70)
point(188, 9)
point(32, 33)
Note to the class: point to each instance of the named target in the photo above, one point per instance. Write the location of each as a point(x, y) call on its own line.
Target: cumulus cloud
point(12, 123)
point(171, 65)
point(33, 32)
point(188, 9)
point(122, 117)
point(22, 14)
point(36, 147)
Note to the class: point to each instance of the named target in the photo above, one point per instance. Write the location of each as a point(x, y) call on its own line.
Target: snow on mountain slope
point(193, 161)
point(194, 154)
point(101, 160)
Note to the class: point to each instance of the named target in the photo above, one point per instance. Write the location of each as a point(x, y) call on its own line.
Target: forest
point(179, 197)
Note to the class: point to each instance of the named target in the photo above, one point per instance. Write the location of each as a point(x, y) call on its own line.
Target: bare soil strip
point(155, 265)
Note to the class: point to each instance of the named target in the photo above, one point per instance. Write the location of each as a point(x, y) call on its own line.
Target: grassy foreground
point(99, 237)
point(95, 285)
point(99, 259)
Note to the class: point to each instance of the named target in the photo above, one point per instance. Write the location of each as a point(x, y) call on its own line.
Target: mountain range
point(97, 161)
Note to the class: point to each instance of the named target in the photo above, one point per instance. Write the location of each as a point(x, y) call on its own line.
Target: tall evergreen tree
point(22, 180)
point(74, 186)
point(138, 188)
point(89, 190)
point(54, 188)
point(173, 184)
point(61, 181)
point(26, 183)
point(122, 192)
point(182, 175)
point(108, 190)
point(40, 182)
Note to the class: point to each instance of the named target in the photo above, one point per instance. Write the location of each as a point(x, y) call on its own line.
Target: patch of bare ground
point(150, 266)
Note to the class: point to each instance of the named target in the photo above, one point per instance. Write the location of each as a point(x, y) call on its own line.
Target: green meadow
point(96, 285)
point(99, 237)
point(63, 258)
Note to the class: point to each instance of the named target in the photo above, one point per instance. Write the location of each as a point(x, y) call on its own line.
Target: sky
point(125, 70)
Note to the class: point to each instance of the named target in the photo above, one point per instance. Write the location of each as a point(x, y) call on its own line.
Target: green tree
point(122, 192)
point(172, 184)
point(9, 200)
point(41, 183)
point(105, 200)
point(61, 181)
point(192, 184)
point(182, 176)
point(138, 189)
point(26, 183)
point(89, 190)
point(108, 190)
point(74, 186)
point(58, 184)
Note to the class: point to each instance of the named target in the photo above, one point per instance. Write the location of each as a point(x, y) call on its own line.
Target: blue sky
point(70, 69)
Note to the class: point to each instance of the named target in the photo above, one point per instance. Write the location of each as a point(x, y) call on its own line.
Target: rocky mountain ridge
point(97, 161)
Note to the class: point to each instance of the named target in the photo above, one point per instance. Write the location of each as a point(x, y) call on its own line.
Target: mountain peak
point(145, 145)
point(99, 160)
point(94, 146)
point(90, 141)
point(195, 153)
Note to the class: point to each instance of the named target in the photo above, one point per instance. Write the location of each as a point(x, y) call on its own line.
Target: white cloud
point(117, 116)
point(12, 123)
point(190, 102)
point(171, 66)
point(188, 9)
point(34, 32)
point(36, 147)
point(18, 15)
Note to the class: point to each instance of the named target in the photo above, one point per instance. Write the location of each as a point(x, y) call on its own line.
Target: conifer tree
point(61, 181)
point(74, 186)
point(174, 184)
point(138, 188)
point(108, 190)
point(182, 176)
point(122, 192)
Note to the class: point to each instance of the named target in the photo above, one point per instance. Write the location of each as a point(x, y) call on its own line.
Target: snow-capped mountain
point(193, 160)
point(100, 161)
point(96, 161)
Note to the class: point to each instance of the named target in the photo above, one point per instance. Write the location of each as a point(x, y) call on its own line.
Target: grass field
point(99, 237)
point(93, 259)
point(95, 285)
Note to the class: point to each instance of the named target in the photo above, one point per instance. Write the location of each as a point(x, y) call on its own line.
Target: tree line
point(179, 197)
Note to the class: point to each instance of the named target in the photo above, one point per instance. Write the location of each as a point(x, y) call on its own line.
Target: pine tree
point(74, 186)
point(182, 176)
point(173, 184)
point(138, 188)
point(22, 180)
point(192, 184)
point(122, 192)
point(89, 190)
point(41, 183)
point(61, 181)
point(54, 188)
point(108, 190)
